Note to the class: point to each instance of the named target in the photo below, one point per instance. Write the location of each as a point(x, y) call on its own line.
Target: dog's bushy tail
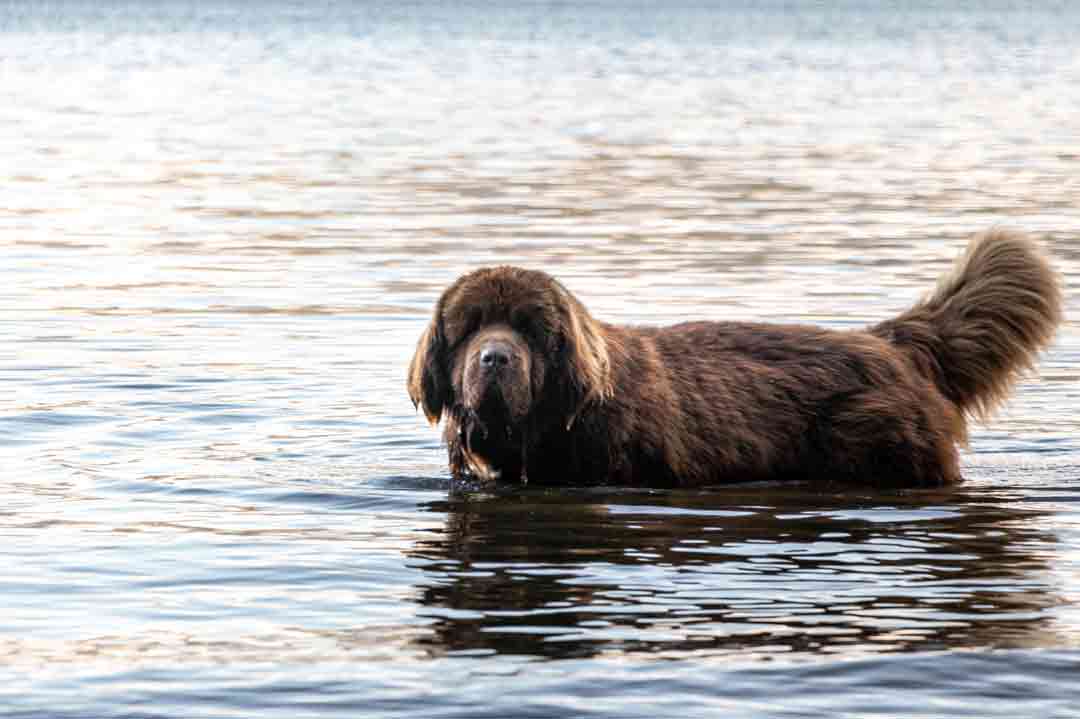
point(985, 323)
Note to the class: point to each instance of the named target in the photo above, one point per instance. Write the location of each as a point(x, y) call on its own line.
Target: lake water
point(223, 226)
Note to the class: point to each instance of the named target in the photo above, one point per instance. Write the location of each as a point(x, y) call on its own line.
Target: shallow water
point(223, 226)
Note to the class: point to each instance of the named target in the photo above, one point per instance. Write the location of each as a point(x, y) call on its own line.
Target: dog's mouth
point(493, 443)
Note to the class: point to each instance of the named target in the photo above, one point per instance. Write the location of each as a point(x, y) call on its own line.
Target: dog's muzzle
point(495, 356)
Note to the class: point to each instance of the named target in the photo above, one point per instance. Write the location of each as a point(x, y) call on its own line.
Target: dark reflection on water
point(782, 571)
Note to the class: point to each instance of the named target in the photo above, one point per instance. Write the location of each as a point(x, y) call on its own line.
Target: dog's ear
point(429, 377)
point(585, 356)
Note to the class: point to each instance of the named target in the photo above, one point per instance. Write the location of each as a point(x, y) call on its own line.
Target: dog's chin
point(492, 441)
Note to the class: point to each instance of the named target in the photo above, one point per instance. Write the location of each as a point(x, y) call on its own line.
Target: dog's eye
point(524, 324)
point(460, 327)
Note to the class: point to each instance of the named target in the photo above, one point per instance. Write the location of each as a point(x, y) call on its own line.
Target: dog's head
point(508, 352)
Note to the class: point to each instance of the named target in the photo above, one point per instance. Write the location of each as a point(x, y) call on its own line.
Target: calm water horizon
point(223, 227)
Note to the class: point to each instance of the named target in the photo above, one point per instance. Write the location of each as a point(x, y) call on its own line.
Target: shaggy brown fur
point(531, 388)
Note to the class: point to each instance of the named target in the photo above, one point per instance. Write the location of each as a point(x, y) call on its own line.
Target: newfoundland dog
point(531, 388)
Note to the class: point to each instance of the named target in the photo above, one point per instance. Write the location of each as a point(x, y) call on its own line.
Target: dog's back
point(886, 406)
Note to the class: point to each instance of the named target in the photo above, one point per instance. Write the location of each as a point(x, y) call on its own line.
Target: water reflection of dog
point(563, 577)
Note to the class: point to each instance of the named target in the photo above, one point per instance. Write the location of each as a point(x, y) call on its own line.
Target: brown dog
point(532, 388)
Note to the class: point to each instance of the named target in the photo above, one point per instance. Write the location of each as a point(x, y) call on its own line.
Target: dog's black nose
point(494, 356)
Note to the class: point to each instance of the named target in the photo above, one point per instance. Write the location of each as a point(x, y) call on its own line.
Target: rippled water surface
point(222, 228)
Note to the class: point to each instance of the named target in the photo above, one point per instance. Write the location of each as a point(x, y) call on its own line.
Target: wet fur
point(711, 402)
